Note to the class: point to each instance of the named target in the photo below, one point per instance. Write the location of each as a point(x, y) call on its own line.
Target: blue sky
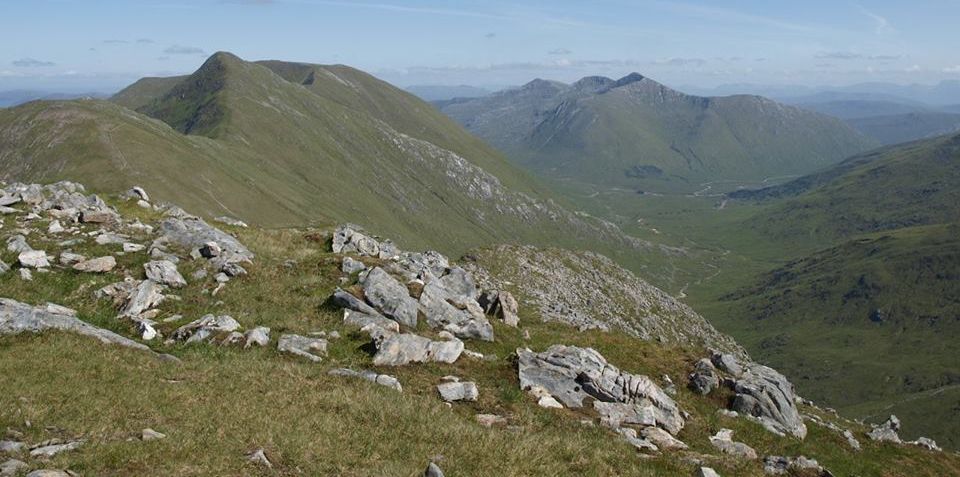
point(75, 45)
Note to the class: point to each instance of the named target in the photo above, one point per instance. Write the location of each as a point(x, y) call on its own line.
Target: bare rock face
point(767, 395)
point(572, 375)
point(16, 318)
point(589, 291)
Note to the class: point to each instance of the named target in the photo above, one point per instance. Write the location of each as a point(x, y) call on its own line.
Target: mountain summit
point(635, 131)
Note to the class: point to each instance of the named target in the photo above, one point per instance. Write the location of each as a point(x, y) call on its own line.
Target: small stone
point(11, 447)
point(221, 277)
point(137, 192)
point(458, 391)
point(490, 420)
point(705, 472)
point(68, 259)
point(96, 265)
point(259, 336)
point(26, 275)
point(33, 259)
point(12, 467)
point(723, 441)
point(130, 247)
point(150, 435)
point(433, 471)
point(351, 266)
point(50, 449)
point(211, 250)
point(259, 457)
point(143, 204)
point(55, 227)
point(302, 346)
point(50, 473)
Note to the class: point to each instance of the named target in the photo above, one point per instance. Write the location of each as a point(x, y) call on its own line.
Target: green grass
point(220, 403)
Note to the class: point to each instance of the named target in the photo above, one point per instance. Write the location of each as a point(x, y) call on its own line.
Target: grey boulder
point(391, 297)
point(362, 320)
point(723, 441)
point(458, 391)
point(205, 328)
point(767, 395)
point(396, 349)
point(96, 265)
point(164, 272)
point(572, 374)
point(309, 348)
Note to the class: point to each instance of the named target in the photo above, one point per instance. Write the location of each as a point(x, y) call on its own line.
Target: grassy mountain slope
point(145, 90)
point(901, 186)
point(637, 133)
point(222, 402)
point(869, 322)
point(238, 138)
point(865, 324)
point(864, 108)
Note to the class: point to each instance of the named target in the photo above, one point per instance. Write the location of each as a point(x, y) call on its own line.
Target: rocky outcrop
point(194, 234)
point(573, 375)
point(412, 284)
point(704, 378)
point(390, 297)
point(17, 317)
point(589, 291)
point(886, 432)
point(778, 465)
point(765, 394)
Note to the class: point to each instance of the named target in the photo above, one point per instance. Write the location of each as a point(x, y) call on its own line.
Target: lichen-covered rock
point(363, 320)
point(259, 336)
point(767, 395)
point(571, 375)
point(96, 265)
point(194, 233)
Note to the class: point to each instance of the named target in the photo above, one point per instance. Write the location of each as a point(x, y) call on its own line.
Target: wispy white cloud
point(680, 62)
point(881, 24)
point(183, 50)
point(952, 69)
point(32, 63)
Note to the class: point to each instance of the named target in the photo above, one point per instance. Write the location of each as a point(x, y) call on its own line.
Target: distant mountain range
point(443, 93)
point(17, 97)
point(637, 133)
point(277, 143)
